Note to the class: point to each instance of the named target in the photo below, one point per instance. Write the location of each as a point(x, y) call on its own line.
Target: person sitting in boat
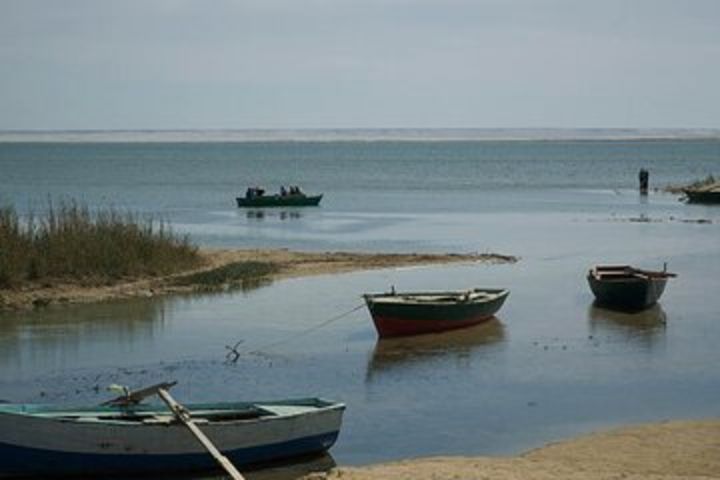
point(283, 191)
point(253, 192)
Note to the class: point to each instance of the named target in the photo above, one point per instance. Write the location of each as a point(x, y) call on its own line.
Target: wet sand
point(288, 263)
point(669, 450)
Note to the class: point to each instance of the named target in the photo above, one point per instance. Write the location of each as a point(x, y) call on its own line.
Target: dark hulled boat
point(290, 200)
point(412, 313)
point(294, 197)
point(702, 196)
point(626, 287)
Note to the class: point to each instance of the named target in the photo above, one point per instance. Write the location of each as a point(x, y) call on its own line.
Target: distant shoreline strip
point(355, 135)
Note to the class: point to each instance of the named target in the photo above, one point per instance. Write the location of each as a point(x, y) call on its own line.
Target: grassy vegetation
point(71, 243)
point(244, 275)
point(697, 184)
point(709, 180)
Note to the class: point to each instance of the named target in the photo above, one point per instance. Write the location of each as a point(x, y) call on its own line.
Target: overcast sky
point(168, 64)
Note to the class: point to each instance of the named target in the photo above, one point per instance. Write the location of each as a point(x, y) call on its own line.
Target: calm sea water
point(552, 365)
point(368, 186)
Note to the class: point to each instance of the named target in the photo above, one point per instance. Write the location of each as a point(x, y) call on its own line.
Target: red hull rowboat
point(414, 313)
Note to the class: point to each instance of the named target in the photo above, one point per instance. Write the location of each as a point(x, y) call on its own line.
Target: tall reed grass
point(71, 242)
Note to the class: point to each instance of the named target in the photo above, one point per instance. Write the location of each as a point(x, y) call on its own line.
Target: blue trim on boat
point(35, 408)
point(16, 460)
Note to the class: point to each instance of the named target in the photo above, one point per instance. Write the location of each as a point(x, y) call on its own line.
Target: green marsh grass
point(244, 275)
point(69, 242)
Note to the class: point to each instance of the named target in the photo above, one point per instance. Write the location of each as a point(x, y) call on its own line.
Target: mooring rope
point(233, 355)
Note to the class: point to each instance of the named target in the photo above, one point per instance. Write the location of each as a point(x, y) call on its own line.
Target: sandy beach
point(668, 450)
point(288, 264)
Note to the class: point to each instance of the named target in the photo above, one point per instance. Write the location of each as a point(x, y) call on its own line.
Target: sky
point(245, 64)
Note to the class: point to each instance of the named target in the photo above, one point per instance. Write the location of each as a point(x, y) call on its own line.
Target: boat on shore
point(44, 441)
point(626, 287)
point(412, 313)
point(293, 197)
point(703, 195)
point(702, 191)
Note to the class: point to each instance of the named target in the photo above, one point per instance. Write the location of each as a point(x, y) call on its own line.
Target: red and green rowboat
point(412, 313)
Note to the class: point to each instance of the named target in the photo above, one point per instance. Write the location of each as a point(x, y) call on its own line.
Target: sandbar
point(289, 264)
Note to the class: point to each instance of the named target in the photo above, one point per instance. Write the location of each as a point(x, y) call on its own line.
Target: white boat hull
point(33, 445)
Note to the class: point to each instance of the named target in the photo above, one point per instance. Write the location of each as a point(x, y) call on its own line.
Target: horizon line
point(349, 134)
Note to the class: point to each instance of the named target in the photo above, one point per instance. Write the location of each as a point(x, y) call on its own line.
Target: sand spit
point(288, 264)
point(707, 184)
point(671, 450)
point(670, 219)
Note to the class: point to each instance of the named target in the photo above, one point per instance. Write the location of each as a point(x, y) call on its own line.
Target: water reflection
point(243, 285)
point(283, 214)
point(290, 470)
point(456, 346)
point(644, 328)
point(40, 340)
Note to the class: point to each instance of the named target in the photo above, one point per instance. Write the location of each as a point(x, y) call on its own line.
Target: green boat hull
point(279, 201)
point(415, 313)
point(626, 288)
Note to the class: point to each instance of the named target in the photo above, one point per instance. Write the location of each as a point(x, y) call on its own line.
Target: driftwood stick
point(182, 414)
point(233, 353)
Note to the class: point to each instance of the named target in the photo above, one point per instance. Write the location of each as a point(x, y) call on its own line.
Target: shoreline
point(286, 264)
point(399, 134)
point(664, 450)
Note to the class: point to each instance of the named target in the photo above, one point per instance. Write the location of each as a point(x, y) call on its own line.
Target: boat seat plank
point(170, 419)
point(287, 409)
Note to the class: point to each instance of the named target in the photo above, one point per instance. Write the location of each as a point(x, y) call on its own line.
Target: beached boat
point(412, 313)
point(703, 195)
point(626, 287)
point(48, 441)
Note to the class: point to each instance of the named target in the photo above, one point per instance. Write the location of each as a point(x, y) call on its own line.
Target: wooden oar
point(182, 414)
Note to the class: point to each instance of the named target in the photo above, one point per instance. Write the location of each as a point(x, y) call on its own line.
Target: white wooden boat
point(41, 440)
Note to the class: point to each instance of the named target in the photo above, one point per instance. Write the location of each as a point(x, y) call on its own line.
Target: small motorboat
point(626, 287)
point(293, 197)
point(411, 313)
point(128, 438)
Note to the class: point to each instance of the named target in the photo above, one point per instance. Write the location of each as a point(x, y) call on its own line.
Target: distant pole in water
point(643, 177)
